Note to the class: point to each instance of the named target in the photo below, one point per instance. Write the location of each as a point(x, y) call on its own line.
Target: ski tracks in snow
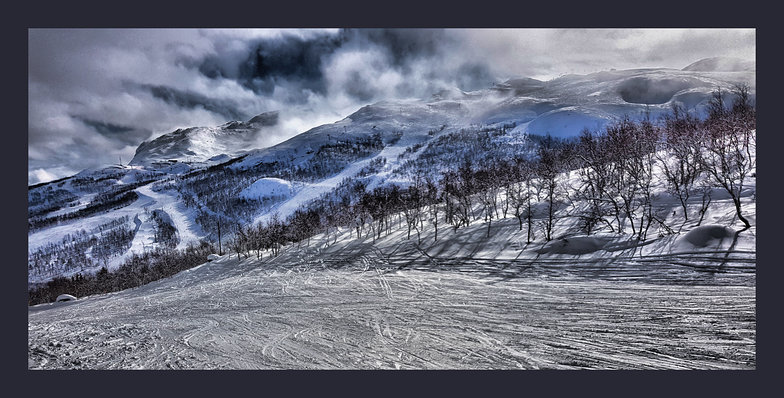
point(186, 229)
point(358, 311)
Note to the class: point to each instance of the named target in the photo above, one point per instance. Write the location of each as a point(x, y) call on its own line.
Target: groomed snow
point(356, 304)
point(182, 217)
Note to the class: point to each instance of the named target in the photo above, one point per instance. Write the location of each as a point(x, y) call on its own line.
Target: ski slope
point(349, 307)
point(308, 192)
point(183, 218)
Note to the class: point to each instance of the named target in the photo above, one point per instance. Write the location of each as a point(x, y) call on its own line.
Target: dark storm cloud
point(300, 61)
point(402, 45)
point(95, 94)
point(191, 100)
point(270, 60)
point(125, 134)
point(290, 58)
point(474, 76)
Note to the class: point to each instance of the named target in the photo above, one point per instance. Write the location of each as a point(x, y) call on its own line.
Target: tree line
point(138, 270)
point(71, 253)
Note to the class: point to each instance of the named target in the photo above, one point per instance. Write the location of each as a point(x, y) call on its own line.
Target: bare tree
point(644, 157)
point(595, 190)
point(465, 189)
point(520, 195)
point(238, 241)
point(458, 187)
point(729, 142)
point(413, 199)
point(680, 157)
point(275, 232)
point(548, 169)
point(432, 197)
point(488, 194)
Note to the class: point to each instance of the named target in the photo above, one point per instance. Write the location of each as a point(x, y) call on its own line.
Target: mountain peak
point(199, 144)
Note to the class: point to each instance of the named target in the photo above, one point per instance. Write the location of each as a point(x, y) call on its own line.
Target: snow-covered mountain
point(560, 107)
point(180, 186)
point(199, 144)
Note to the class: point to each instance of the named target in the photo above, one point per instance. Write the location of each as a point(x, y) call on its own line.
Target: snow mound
point(267, 188)
point(65, 297)
point(573, 245)
point(704, 236)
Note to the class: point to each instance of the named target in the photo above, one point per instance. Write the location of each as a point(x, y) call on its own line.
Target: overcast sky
point(95, 95)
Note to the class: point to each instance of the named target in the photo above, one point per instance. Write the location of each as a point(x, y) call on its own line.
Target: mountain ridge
point(561, 107)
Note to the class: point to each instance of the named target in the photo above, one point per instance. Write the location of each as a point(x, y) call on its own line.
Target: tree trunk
point(745, 222)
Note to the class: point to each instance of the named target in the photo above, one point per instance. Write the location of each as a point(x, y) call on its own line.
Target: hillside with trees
point(642, 180)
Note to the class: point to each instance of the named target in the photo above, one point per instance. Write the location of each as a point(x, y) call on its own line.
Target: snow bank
point(267, 188)
point(65, 297)
point(704, 236)
point(573, 245)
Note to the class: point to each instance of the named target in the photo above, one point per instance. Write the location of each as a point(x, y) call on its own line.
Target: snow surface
point(203, 144)
point(356, 304)
point(267, 188)
point(705, 236)
point(575, 245)
point(308, 192)
point(139, 213)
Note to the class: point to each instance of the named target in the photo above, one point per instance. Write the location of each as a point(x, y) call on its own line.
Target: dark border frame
point(407, 13)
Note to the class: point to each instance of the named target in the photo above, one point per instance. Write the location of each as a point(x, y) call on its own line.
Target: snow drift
point(706, 236)
point(575, 245)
